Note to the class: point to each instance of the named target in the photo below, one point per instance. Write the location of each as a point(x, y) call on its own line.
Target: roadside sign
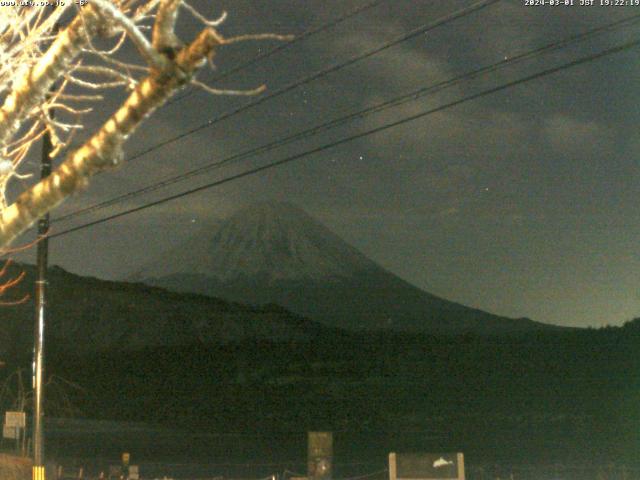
point(10, 432)
point(13, 423)
point(319, 455)
point(133, 472)
point(15, 419)
point(426, 466)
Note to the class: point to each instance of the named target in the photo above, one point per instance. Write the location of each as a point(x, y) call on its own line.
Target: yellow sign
point(125, 458)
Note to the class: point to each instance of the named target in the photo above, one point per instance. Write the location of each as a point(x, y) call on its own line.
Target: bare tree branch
point(170, 65)
point(104, 149)
point(32, 88)
point(107, 9)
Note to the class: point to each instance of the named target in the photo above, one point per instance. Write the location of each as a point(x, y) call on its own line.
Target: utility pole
point(42, 256)
point(38, 350)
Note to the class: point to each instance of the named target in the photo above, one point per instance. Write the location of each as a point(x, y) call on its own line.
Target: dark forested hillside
point(145, 354)
point(90, 315)
point(568, 395)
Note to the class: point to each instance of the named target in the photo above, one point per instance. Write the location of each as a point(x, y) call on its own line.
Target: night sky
point(521, 203)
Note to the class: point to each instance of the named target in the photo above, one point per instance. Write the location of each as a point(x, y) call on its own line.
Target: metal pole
point(38, 351)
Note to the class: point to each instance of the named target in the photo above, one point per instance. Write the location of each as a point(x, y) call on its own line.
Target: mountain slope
point(91, 315)
point(276, 253)
point(271, 242)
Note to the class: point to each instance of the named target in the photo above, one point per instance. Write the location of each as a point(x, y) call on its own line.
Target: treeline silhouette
point(560, 396)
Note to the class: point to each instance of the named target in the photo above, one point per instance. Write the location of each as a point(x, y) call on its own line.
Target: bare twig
point(171, 64)
point(108, 10)
point(217, 91)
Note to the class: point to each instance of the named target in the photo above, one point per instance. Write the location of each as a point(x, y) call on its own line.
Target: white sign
point(133, 472)
point(10, 432)
point(426, 466)
point(15, 419)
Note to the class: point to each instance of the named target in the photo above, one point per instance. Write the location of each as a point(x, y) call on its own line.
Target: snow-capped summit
point(276, 253)
point(272, 241)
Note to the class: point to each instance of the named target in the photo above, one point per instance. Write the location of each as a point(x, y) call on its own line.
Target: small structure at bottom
point(426, 466)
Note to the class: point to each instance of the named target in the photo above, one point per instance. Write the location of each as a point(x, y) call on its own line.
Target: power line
point(309, 33)
point(405, 98)
point(292, 158)
point(323, 73)
point(420, 30)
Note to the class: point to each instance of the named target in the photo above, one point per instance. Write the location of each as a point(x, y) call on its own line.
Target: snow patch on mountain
point(272, 241)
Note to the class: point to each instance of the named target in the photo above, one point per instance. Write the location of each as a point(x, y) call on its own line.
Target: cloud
point(577, 138)
point(511, 28)
point(398, 67)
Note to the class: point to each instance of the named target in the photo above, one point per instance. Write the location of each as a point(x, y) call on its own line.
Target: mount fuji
point(275, 253)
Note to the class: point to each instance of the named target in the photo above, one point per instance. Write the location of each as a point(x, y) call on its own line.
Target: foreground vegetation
point(570, 396)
